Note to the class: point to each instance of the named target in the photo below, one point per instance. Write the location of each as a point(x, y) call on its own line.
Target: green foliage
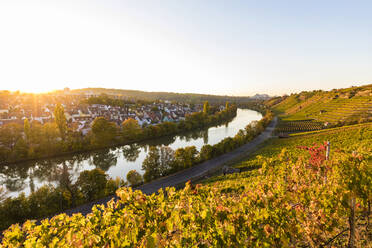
point(289, 202)
point(106, 100)
point(206, 107)
point(158, 162)
point(49, 200)
point(92, 184)
point(154, 96)
point(131, 130)
point(113, 184)
point(21, 148)
point(60, 119)
point(9, 135)
point(308, 111)
point(27, 129)
point(298, 126)
point(163, 161)
point(104, 132)
point(44, 140)
point(2, 193)
point(134, 178)
point(186, 157)
point(206, 152)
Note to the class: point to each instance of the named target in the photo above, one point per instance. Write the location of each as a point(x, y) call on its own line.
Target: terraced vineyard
point(324, 109)
point(293, 200)
point(336, 110)
point(348, 138)
point(298, 126)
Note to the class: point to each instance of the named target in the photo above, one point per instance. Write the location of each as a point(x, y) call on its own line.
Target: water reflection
point(104, 159)
point(64, 171)
point(205, 137)
point(131, 152)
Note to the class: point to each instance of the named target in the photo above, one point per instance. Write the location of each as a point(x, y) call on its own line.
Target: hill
point(170, 96)
point(293, 200)
point(320, 109)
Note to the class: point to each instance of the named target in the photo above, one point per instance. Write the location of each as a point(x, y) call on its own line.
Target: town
point(80, 112)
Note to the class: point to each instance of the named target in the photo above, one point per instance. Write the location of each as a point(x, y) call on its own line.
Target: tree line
point(169, 96)
point(35, 140)
point(162, 161)
point(50, 199)
point(95, 184)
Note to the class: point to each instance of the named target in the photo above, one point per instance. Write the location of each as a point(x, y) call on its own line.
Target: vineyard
point(298, 126)
point(336, 110)
point(308, 111)
point(328, 106)
point(296, 199)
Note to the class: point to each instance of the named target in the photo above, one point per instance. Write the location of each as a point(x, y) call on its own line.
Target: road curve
point(190, 173)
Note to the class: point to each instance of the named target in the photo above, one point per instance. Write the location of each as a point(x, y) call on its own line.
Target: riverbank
point(231, 114)
point(192, 173)
point(57, 186)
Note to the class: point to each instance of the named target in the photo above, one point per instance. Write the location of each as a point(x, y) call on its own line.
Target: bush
point(92, 184)
point(113, 184)
point(134, 178)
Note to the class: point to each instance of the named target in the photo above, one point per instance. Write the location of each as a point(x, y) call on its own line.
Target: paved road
point(190, 173)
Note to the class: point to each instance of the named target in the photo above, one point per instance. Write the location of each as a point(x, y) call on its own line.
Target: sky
point(211, 46)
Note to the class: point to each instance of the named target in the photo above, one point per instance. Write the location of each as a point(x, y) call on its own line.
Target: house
point(168, 118)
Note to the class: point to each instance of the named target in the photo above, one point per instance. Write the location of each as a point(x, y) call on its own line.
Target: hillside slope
point(331, 106)
point(292, 201)
point(323, 108)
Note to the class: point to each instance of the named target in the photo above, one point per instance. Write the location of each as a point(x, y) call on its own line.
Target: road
point(191, 173)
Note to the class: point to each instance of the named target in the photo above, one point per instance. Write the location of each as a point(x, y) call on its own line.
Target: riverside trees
point(60, 120)
point(289, 202)
point(94, 184)
point(49, 199)
point(163, 161)
point(36, 140)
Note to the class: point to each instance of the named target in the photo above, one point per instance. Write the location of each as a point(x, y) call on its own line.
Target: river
point(116, 162)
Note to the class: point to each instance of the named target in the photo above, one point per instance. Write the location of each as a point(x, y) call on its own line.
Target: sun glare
point(36, 89)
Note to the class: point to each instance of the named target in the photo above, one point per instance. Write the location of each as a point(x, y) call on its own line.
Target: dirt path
point(188, 174)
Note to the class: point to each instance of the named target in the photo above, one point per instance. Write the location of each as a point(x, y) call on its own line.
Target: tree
point(20, 149)
point(27, 130)
point(206, 107)
point(166, 160)
point(113, 184)
point(131, 152)
point(92, 184)
point(3, 193)
point(50, 135)
point(186, 157)
point(150, 164)
point(45, 201)
point(14, 210)
point(64, 179)
point(134, 178)
point(104, 159)
point(158, 162)
point(9, 134)
point(206, 152)
point(130, 129)
point(104, 132)
point(37, 133)
point(60, 119)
